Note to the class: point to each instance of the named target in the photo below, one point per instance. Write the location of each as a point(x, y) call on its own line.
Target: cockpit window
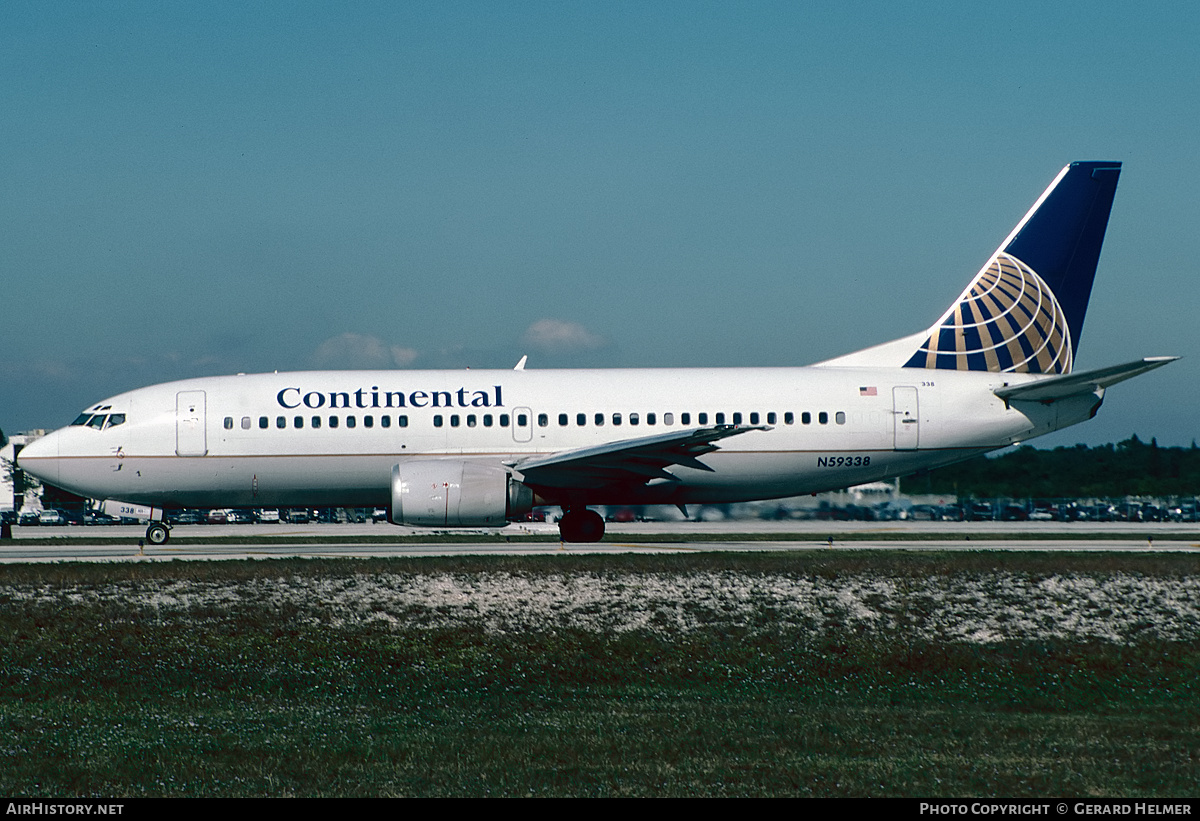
point(97, 420)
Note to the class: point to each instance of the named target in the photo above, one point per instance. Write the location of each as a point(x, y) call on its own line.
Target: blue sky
point(206, 188)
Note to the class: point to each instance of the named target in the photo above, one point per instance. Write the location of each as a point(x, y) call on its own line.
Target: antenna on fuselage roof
point(521, 365)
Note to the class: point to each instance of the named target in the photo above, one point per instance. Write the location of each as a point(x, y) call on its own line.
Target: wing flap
point(630, 460)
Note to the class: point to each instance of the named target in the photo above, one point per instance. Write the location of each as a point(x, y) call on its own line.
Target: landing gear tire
point(158, 533)
point(581, 526)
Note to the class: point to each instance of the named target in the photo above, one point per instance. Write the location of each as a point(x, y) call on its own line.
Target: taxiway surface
point(231, 542)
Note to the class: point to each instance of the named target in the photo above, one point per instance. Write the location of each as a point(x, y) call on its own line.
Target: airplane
point(480, 448)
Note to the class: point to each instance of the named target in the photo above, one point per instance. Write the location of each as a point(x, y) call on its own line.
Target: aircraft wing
point(1074, 384)
point(639, 460)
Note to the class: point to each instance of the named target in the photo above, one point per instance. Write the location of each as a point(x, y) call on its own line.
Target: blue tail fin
point(1024, 311)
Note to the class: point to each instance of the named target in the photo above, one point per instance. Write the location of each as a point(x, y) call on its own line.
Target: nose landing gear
point(158, 533)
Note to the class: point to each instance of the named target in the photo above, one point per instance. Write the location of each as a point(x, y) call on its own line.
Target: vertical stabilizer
point(1024, 311)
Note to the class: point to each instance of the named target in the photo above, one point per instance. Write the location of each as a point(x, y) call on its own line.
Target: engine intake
point(449, 493)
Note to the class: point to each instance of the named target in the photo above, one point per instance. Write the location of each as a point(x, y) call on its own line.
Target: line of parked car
point(1003, 510)
point(230, 516)
point(999, 510)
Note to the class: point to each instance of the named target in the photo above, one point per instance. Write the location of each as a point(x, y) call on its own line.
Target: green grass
point(103, 698)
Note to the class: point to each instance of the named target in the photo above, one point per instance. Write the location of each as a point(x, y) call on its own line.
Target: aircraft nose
point(40, 458)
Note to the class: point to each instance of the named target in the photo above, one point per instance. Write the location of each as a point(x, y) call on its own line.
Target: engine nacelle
point(450, 493)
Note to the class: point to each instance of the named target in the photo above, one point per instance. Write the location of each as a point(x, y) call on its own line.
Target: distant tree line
point(1129, 468)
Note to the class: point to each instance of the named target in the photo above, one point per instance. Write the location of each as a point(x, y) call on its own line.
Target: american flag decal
point(868, 391)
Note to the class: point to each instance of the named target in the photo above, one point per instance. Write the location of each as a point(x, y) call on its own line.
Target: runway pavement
point(215, 542)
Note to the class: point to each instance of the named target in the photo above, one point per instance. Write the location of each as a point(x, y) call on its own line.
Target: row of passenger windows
point(264, 422)
point(543, 420)
point(685, 419)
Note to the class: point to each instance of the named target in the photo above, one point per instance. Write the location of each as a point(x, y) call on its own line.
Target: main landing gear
point(581, 525)
point(158, 533)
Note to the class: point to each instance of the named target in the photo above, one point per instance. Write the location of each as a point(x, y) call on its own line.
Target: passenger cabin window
point(789, 418)
point(543, 420)
point(720, 419)
point(633, 418)
point(351, 421)
point(754, 419)
point(823, 418)
point(437, 421)
point(650, 419)
point(316, 421)
point(840, 417)
point(228, 423)
point(806, 418)
point(599, 420)
point(504, 420)
point(581, 419)
point(487, 420)
point(770, 418)
point(280, 421)
point(402, 421)
point(263, 422)
point(333, 421)
point(385, 421)
point(668, 419)
point(685, 419)
point(737, 419)
point(563, 420)
point(245, 423)
point(368, 421)
point(702, 418)
point(616, 418)
point(298, 422)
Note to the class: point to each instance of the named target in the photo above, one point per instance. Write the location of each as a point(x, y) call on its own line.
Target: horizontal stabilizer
point(1062, 387)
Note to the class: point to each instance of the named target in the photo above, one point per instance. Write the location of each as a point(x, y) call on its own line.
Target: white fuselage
point(331, 438)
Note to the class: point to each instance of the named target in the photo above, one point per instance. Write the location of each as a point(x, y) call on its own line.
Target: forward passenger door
point(190, 436)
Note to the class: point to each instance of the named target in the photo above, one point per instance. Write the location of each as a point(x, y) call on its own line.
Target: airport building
point(17, 490)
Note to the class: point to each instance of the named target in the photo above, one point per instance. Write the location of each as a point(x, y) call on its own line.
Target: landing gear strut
point(158, 533)
point(581, 525)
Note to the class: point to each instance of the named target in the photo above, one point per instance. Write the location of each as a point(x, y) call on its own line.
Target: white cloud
point(557, 336)
point(351, 350)
point(403, 357)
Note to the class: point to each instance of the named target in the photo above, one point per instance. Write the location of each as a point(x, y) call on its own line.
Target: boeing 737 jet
point(478, 448)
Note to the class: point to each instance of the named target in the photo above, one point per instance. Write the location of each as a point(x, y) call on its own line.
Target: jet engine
point(449, 493)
